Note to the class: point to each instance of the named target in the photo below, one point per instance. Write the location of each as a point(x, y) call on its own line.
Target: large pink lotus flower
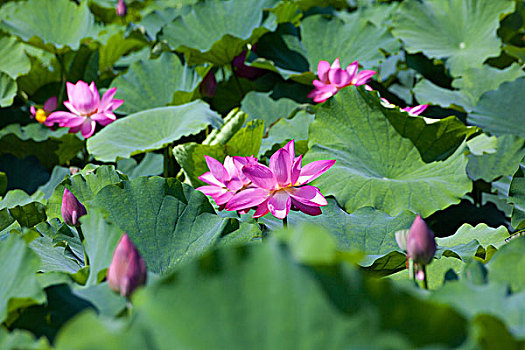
point(86, 109)
point(41, 114)
point(224, 181)
point(332, 79)
point(281, 186)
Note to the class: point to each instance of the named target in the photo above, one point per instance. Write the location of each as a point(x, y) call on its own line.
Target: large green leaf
point(217, 31)
point(506, 265)
point(469, 87)
point(367, 230)
point(13, 59)
point(169, 222)
point(50, 147)
point(260, 105)
point(285, 130)
point(155, 83)
point(517, 196)
point(7, 90)
point(101, 239)
point(462, 31)
point(19, 287)
point(50, 24)
point(350, 38)
point(375, 166)
point(501, 111)
point(22, 339)
point(150, 130)
point(504, 161)
point(115, 46)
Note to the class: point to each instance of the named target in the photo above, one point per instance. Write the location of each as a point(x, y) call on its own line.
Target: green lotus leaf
point(155, 83)
point(150, 130)
point(54, 25)
point(463, 32)
point(375, 166)
point(217, 31)
point(501, 111)
point(169, 222)
point(8, 89)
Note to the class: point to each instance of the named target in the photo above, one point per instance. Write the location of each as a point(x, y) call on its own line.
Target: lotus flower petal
point(308, 195)
point(250, 197)
point(310, 210)
point(261, 176)
point(280, 204)
point(323, 67)
point(313, 170)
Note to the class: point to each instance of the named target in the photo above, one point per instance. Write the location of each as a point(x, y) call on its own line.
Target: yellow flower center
point(40, 115)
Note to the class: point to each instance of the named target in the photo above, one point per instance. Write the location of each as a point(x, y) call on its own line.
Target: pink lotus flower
point(121, 8)
point(71, 208)
point(41, 114)
point(332, 79)
point(86, 109)
point(281, 187)
point(225, 180)
point(127, 270)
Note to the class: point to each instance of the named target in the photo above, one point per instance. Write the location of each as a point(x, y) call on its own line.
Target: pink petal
point(223, 198)
point(248, 198)
point(336, 64)
point(319, 84)
point(82, 98)
point(230, 167)
point(51, 104)
point(322, 70)
point(32, 109)
point(296, 170)
point(88, 128)
point(75, 129)
point(339, 78)
point(323, 94)
point(106, 99)
point(280, 204)
point(281, 166)
point(73, 122)
point(210, 179)
point(417, 110)
point(104, 118)
point(290, 147)
point(363, 77)
point(262, 209)
point(71, 108)
point(114, 105)
point(213, 191)
point(59, 117)
point(308, 195)
point(310, 210)
point(352, 69)
point(313, 170)
point(94, 93)
point(260, 175)
point(217, 169)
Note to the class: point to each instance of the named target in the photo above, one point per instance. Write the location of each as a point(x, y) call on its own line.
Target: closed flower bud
point(421, 244)
point(127, 270)
point(121, 8)
point(71, 209)
point(209, 85)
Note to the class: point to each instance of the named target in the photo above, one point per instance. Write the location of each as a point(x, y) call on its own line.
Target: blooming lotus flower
point(281, 186)
point(127, 270)
point(225, 180)
point(71, 208)
point(86, 109)
point(421, 244)
point(121, 8)
point(41, 114)
point(332, 79)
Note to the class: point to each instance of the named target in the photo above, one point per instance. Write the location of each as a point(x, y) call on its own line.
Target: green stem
point(82, 240)
point(236, 78)
point(285, 222)
point(63, 79)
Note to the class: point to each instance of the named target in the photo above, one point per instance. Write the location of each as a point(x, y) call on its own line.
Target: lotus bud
point(208, 85)
point(421, 244)
point(121, 8)
point(127, 270)
point(71, 209)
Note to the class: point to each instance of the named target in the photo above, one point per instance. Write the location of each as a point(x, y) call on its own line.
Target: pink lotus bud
point(121, 8)
point(244, 71)
point(209, 85)
point(71, 209)
point(127, 270)
point(421, 244)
